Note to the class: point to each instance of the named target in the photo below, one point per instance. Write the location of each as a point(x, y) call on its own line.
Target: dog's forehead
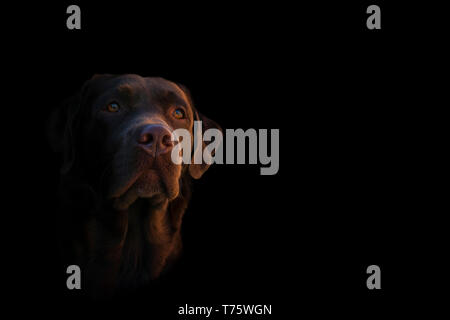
point(131, 84)
point(160, 87)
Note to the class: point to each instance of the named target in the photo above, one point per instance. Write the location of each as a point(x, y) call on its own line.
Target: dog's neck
point(148, 241)
point(133, 245)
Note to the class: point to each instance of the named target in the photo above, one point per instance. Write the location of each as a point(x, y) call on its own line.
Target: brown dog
point(123, 198)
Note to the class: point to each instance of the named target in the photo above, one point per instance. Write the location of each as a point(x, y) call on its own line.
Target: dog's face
point(120, 130)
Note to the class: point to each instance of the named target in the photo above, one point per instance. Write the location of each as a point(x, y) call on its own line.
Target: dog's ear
point(197, 170)
point(60, 130)
point(62, 126)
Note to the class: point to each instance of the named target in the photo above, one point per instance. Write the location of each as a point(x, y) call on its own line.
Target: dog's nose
point(155, 138)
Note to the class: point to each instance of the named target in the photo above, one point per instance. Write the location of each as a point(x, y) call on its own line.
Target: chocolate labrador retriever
point(122, 197)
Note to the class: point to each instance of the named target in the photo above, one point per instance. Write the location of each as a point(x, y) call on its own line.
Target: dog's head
point(116, 134)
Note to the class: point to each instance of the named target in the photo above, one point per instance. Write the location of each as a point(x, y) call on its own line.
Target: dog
point(122, 199)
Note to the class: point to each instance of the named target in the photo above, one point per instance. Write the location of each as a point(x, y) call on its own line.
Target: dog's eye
point(178, 113)
point(113, 107)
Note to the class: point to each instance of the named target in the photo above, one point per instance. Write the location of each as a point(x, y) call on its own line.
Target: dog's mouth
point(156, 183)
point(146, 185)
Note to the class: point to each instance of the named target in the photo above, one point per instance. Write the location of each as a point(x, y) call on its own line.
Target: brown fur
point(121, 208)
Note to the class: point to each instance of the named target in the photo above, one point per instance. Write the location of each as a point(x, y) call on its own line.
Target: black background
point(346, 194)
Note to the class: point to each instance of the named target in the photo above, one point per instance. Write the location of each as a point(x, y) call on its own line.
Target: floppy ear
point(62, 124)
point(60, 130)
point(197, 170)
